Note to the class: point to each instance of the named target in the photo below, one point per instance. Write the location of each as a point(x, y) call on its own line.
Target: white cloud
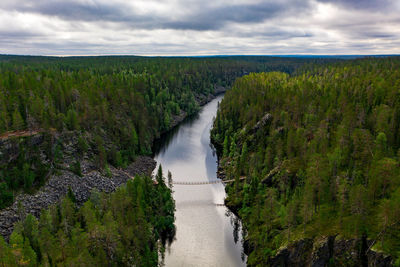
point(190, 27)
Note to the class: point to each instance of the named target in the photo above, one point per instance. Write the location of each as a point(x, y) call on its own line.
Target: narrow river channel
point(206, 233)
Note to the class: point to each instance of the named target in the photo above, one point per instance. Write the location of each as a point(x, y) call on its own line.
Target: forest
point(313, 145)
point(115, 105)
point(320, 152)
point(129, 227)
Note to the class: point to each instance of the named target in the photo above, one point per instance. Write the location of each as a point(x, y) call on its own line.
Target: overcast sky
point(199, 27)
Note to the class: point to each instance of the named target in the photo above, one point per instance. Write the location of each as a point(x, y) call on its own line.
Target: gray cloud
point(191, 27)
point(203, 15)
point(76, 10)
point(12, 35)
point(276, 32)
point(216, 17)
point(376, 5)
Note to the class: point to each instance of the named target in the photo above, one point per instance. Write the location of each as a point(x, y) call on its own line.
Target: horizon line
point(206, 55)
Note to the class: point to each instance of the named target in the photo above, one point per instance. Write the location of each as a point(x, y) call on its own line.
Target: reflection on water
point(162, 144)
point(207, 235)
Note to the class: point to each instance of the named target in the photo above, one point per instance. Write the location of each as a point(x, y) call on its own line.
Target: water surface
point(205, 232)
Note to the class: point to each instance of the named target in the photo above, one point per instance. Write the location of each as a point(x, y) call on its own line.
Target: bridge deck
point(206, 182)
point(195, 182)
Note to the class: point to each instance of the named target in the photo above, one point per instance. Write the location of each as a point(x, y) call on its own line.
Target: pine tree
point(72, 120)
point(17, 121)
point(159, 176)
point(226, 147)
point(244, 158)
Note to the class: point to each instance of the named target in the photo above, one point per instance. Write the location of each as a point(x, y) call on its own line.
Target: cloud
point(217, 17)
point(194, 27)
point(12, 35)
point(376, 5)
point(202, 15)
point(75, 10)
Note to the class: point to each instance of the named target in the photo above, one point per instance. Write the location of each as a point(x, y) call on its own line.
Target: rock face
point(204, 99)
point(329, 252)
point(218, 89)
point(57, 187)
point(176, 119)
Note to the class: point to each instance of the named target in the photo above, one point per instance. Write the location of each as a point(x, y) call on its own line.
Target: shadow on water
point(237, 229)
point(161, 144)
point(210, 168)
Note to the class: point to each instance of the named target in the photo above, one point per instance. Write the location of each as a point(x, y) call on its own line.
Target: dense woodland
point(121, 103)
point(129, 227)
point(317, 141)
point(320, 151)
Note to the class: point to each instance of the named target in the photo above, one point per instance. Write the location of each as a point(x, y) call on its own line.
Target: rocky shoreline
point(58, 185)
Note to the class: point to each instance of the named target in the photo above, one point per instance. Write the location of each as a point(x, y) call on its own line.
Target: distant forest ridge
point(341, 56)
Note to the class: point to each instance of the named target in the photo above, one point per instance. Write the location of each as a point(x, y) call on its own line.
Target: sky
point(199, 27)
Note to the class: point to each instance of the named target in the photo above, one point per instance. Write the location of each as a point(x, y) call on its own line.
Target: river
point(207, 234)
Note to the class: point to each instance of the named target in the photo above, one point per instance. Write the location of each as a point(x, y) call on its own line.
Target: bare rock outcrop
point(329, 252)
point(57, 187)
point(261, 123)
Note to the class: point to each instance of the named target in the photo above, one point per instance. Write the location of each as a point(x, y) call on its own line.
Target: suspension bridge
point(193, 182)
point(205, 182)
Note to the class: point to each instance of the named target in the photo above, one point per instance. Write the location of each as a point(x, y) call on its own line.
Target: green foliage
point(17, 121)
point(115, 158)
point(116, 94)
point(120, 229)
point(71, 195)
point(27, 176)
point(101, 158)
point(326, 162)
point(120, 103)
point(82, 145)
point(107, 171)
point(6, 196)
point(159, 177)
point(76, 168)
point(26, 171)
point(225, 152)
point(72, 120)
